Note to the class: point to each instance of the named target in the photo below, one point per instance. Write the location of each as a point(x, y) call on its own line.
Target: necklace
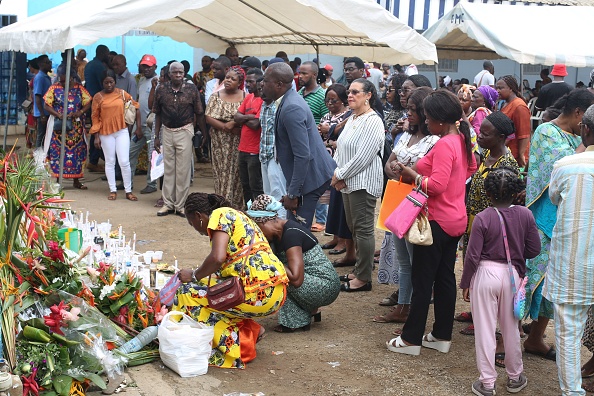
point(355, 116)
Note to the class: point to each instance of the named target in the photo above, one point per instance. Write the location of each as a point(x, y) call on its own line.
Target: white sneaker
point(431, 342)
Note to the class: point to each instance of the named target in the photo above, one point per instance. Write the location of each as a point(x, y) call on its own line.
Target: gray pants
point(359, 208)
point(177, 158)
point(135, 149)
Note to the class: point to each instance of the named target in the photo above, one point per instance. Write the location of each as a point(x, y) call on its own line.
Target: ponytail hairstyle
point(368, 87)
point(443, 106)
point(417, 97)
point(576, 99)
point(205, 203)
point(512, 83)
point(503, 183)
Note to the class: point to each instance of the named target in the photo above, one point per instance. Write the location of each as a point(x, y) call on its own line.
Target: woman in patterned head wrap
point(313, 282)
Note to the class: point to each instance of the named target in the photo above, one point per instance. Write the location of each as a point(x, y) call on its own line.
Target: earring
point(366, 102)
point(441, 123)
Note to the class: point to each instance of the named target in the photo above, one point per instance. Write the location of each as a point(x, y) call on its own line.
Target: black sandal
point(285, 329)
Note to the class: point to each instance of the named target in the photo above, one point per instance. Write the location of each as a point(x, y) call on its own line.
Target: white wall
point(14, 7)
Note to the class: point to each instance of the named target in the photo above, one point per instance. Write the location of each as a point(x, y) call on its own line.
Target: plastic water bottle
point(142, 339)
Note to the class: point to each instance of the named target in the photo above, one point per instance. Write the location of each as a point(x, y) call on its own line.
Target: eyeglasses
point(331, 101)
point(353, 92)
point(403, 91)
point(350, 69)
point(391, 89)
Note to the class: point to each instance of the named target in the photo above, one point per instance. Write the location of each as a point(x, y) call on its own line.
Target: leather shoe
point(181, 213)
point(164, 211)
point(339, 263)
point(148, 190)
point(347, 287)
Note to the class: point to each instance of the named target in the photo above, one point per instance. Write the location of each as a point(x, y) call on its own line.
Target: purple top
point(486, 240)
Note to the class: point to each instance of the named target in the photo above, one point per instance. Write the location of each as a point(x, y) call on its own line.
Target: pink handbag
point(402, 218)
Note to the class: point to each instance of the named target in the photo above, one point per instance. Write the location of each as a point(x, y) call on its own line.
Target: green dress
point(320, 286)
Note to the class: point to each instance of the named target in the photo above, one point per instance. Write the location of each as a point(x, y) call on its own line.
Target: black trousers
point(308, 207)
point(433, 271)
point(250, 174)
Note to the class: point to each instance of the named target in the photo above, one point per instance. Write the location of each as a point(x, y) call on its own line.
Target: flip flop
point(131, 197)
point(464, 317)
point(501, 357)
point(551, 354)
point(327, 246)
point(337, 251)
point(112, 196)
point(468, 330)
point(80, 186)
point(338, 263)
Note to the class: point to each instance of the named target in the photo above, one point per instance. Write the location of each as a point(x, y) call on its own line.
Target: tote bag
point(396, 191)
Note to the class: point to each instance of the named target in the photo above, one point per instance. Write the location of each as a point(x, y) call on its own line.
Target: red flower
point(54, 320)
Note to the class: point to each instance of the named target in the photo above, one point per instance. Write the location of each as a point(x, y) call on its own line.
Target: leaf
point(97, 380)
point(62, 385)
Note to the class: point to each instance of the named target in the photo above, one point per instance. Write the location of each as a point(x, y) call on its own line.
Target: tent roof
point(255, 27)
point(528, 35)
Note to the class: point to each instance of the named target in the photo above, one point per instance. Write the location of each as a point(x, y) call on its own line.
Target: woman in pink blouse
point(443, 171)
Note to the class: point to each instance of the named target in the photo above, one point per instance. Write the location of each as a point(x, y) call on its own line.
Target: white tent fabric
point(255, 27)
point(528, 35)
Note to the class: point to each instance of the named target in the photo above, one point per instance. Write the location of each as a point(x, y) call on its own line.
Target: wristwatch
point(291, 196)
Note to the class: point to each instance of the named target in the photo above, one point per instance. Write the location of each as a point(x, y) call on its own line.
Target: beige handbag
point(150, 120)
point(129, 111)
point(420, 231)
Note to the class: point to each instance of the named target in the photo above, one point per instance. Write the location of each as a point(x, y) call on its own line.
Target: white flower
point(56, 279)
point(106, 290)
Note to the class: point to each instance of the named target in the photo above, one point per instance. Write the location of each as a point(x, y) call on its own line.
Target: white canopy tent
point(528, 35)
point(255, 27)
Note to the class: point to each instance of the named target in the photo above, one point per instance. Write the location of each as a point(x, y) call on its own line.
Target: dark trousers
point(41, 128)
point(307, 209)
point(250, 174)
point(433, 271)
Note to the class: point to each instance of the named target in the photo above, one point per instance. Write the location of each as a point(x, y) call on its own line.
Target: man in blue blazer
point(306, 164)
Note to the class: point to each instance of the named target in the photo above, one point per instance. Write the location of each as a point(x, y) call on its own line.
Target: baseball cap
point(328, 67)
point(559, 70)
point(251, 62)
point(276, 60)
point(148, 60)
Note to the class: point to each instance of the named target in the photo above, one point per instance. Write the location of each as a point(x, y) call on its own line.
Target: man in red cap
point(549, 93)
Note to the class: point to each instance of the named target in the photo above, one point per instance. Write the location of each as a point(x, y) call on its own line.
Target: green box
point(72, 238)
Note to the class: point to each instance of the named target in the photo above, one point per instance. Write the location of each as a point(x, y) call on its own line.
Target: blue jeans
point(274, 183)
point(321, 213)
point(404, 255)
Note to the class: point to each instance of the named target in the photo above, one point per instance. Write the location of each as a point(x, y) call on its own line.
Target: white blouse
point(410, 155)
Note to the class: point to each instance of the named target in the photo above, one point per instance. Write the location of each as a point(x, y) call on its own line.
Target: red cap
point(328, 67)
point(559, 70)
point(148, 60)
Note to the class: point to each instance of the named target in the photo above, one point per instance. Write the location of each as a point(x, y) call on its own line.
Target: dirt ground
point(344, 354)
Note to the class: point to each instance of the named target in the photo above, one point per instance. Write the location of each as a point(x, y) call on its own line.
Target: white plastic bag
point(185, 346)
point(157, 165)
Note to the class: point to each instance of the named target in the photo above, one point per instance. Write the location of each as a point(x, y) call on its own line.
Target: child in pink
point(486, 278)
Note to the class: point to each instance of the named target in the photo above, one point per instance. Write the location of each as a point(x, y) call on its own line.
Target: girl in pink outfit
point(486, 277)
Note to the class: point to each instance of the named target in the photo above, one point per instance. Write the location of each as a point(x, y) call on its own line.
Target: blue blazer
point(305, 162)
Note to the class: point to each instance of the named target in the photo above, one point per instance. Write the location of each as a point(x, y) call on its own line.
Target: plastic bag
point(157, 166)
point(185, 346)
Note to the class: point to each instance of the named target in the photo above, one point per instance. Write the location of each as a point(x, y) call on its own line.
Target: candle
point(87, 216)
point(134, 244)
point(175, 258)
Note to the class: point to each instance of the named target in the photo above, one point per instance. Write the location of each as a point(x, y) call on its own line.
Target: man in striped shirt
point(569, 283)
point(312, 93)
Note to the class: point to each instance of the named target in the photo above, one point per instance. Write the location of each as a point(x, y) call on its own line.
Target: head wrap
point(490, 94)
point(263, 208)
point(447, 80)
point(466, 91)
point(241, 73)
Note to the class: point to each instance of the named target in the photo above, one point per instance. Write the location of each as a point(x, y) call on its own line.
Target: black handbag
point(58, 125)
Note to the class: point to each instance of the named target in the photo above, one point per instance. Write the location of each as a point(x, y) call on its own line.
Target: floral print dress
point(264, 279)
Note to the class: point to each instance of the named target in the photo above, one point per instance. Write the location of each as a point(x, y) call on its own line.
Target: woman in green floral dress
point(313, 282)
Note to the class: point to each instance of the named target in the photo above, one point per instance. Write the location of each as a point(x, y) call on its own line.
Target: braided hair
point(503, 183)
point(502, 123)
point(205, 203)
point(512, 83)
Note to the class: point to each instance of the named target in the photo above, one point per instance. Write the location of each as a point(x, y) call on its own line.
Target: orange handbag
point(396, 191)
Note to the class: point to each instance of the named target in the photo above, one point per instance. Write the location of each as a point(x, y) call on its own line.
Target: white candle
point(175, 262)
point(134, 244)
point(87, 216)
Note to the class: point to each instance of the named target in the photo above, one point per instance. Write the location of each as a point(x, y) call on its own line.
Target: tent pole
point(12, 63)
point(522, 79)
point(436, 76)
point(65, 114)
point(317, 47)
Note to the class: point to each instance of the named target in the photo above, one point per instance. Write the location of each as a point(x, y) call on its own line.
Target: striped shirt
point(357, 154)
point(267, 117)
point(570, 273)
point(315, 101)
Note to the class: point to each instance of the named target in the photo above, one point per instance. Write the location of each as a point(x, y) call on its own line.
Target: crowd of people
point(295, 152)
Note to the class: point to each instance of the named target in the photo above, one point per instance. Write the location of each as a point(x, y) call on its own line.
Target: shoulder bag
point(519, 306)
point(230, 292)
point(129, 111)
point(419, 232)
point(403, 217)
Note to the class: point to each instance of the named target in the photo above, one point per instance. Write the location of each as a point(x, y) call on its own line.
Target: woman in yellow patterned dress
point(236, 241)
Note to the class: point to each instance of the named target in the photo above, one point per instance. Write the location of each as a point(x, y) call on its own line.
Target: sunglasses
point(353, 92)
point(331, 101)
point(403, 91)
